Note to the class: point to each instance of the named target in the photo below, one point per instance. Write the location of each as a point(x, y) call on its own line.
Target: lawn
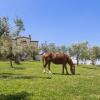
point(27, 82)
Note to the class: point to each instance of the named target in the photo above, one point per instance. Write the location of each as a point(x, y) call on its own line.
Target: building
point(25, 41)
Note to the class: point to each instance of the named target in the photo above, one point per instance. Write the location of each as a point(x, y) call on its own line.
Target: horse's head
point(72, 65)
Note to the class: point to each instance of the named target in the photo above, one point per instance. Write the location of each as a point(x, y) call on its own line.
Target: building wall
point(25, 41)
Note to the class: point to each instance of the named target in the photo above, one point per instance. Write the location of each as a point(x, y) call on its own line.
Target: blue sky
point(62, 22)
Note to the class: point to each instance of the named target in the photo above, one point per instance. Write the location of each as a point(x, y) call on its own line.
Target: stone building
point(24, 41)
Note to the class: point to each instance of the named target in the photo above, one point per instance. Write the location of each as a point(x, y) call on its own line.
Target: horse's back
point(59, 58)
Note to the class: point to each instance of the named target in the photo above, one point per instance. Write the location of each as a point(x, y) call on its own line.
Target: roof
point(34, 41)
point(24, 37)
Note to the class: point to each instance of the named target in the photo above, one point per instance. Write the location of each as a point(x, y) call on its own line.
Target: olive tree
point(7, 32)
point(94, 54)
point(79, 50)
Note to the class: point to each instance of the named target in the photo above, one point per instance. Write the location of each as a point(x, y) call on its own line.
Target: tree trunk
point(93, 62)
point(77, 60)
point(17, 59)
point(10, 57)
point(11, 63)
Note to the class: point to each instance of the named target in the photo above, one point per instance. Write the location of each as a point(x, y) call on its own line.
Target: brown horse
point(58, 58)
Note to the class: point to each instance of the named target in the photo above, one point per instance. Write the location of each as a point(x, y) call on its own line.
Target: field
point(27, 82)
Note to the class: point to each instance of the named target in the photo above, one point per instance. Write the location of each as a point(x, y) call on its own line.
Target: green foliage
point(19, 25)
point(53, 48)
point(27, 82)
point(63, 48)
point(79, 50)
point(5, 44)
point(4, 26)
point(94, 54)
point(96, 51)
point(44, 47)
point(6, 34)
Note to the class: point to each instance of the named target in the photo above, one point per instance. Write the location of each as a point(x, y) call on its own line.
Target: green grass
point(27, 82)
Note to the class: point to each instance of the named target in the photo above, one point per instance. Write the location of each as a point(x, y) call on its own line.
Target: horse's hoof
point(49, 72)
point(44, 71)
point(67, 73)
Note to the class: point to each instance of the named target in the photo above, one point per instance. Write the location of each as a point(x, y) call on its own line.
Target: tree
point(6, 33)
point(4, 26)
point(94, 54)
point(19, 26)
point(30, 51)
point(5, 39)
point(17, 50)
point(79, 51)
point(52, 47)
point(63, 48)
point(44, 47)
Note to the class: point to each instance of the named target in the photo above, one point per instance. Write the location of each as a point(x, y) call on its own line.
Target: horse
point(58, 58)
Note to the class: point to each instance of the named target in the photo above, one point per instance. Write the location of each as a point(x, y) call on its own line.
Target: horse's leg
point(63, 69)
point(66, 69)
point(45, 67)
point(49, 67)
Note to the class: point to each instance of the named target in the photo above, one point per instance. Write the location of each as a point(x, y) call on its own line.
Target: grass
point(27, 82)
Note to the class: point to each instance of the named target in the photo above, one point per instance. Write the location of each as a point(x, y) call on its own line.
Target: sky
point(62, 22)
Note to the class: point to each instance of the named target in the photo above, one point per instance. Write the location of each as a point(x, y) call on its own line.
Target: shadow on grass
point(20, 76)
point(17, 96)
point(63, 74)
point(97, 67)
point(19, 68)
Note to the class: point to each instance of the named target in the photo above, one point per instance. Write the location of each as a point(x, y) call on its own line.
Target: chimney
point(29, 36)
